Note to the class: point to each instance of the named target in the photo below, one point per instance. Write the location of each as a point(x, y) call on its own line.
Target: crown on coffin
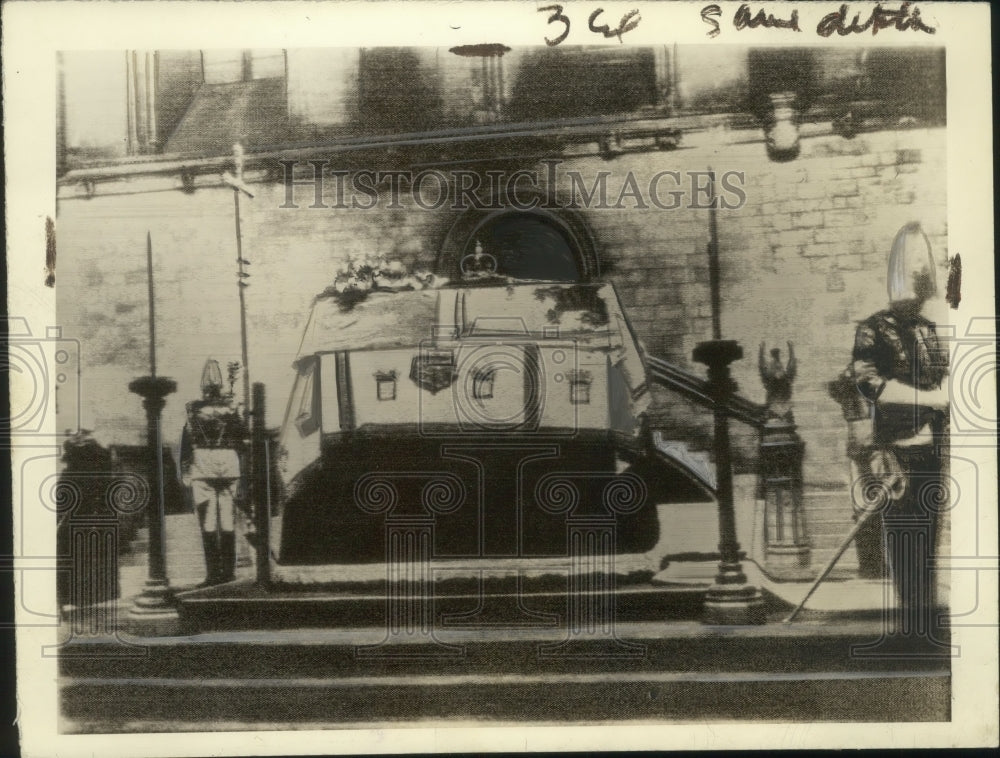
point(478, 264)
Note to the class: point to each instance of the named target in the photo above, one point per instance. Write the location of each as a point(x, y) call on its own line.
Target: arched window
point(527, 246)
point(538, 244)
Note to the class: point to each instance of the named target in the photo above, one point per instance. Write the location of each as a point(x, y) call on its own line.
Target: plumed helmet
point(911, 265)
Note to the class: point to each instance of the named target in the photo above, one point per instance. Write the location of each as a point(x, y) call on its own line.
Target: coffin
point(496, 416)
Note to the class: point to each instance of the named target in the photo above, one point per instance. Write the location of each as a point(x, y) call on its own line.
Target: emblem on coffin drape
point(433, 370)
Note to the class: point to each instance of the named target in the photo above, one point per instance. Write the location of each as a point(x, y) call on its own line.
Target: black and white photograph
point(501, 376)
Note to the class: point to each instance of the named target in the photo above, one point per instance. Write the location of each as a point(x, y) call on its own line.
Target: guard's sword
point(862, 520)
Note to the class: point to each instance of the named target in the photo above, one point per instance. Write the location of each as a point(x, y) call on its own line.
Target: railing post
point(260, 492)
point(154, 612)
point(730, 600)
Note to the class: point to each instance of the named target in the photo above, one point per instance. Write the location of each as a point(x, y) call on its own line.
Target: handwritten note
point(901, 19)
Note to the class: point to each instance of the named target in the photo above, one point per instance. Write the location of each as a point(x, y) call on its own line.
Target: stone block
point(645, 297)
point(629, 277)
point(861, 171)
point(842, 188)
point(870, 159)
point(820, 265)
point(808, 190)
point(786, 252)
point(858, 246)
point(808, 220)
point(843, 218)
point(821, 249)
point(669, 312)
point(835, 282)
point(791, 238)
point(826, 236)
point(874, 260)
point(678, 274)
point(782, 221)
point(852, 262)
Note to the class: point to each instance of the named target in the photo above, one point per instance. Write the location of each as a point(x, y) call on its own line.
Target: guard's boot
point(209, 540)
point(227, 557)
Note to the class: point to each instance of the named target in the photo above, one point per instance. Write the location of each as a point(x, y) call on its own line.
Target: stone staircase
point(327, 657)
point(653, 671)
point(697, 461)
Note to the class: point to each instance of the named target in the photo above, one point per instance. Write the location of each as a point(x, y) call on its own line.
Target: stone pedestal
point(736, 604)
point(787, 551)
point(154, 613)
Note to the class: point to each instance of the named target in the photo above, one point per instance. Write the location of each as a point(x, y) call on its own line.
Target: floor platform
point(468, 604)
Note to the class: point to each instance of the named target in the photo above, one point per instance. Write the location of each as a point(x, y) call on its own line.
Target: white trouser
point(214, 474)
point(215, 505)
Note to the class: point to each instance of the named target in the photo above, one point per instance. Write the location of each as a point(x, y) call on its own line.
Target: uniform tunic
point(906, 455)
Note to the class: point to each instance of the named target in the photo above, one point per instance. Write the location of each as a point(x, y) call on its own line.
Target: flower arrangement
point(232, 374)
point(358, 277)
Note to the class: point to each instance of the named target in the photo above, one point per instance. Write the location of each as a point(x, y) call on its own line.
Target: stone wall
point(803, 260)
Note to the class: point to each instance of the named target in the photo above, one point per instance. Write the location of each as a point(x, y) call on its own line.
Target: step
point(243, 605)
point(660, 671)
point(813, 643)
point(88, 705)
point(840, 573)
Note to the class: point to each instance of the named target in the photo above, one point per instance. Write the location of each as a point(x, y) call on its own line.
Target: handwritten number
point(629, 22)
point(598, 29)
point(557, 15)
point(625, 25)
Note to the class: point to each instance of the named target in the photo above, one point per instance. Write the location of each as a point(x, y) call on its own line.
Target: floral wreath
point(359, 277)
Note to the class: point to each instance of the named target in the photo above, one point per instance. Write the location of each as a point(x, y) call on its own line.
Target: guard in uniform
point(211, 451)
point(900, 366)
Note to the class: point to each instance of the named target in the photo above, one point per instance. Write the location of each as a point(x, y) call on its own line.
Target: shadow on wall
point(396, 93)
point(570, 83)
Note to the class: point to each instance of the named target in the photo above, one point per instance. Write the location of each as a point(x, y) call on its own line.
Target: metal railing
point(697, 389)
